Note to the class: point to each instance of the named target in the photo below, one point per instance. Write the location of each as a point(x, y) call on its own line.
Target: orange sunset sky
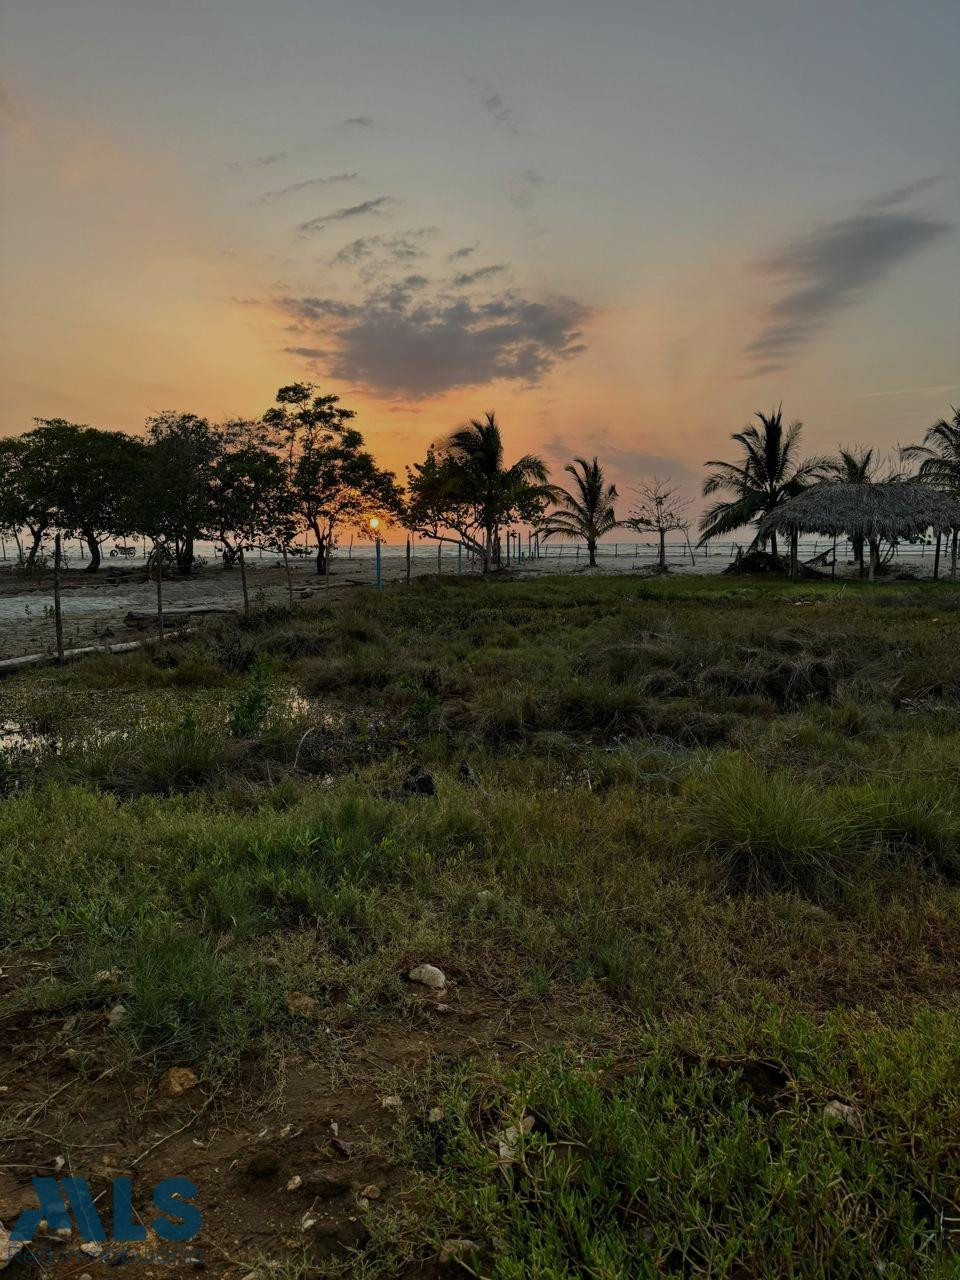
point(624, 226)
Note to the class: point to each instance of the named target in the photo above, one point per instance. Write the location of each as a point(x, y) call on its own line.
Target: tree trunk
point(953, 557)
point(184, 555)
point(159, 559)
point(90, 538)
point(592, 552)
point(874, 557)
point(662, 556)
point(36, 535)
point(243, 579)
point(773, 545)
point(936, 558)
point(321, 550)
point(286, 568)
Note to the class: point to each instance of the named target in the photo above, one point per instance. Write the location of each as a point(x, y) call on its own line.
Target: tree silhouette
point(586, 513)
point(766, 475)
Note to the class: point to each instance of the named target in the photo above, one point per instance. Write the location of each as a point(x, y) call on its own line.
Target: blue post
point(379, 581)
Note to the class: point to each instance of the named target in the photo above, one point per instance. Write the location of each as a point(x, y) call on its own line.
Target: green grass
point(712, 822)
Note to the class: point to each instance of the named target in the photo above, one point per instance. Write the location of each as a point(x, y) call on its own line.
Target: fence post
point(439, 566)
point(159, 594)
point(408, 559)
point(459, 557)
point(57, 616)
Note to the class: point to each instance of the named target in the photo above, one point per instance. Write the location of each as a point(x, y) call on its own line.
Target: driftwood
point(9, 666)
point(177, 615)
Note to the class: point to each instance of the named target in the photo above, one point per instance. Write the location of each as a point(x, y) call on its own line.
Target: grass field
point(687, 851)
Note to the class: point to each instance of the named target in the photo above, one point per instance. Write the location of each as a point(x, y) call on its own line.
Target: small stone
point(484, 898)
point(326, 1186)
point(69, 1024)
point(58, 1164)
point(107, 975)
point(435, 1115)
point(295, 1183)
point(391, 1102)
point(91, 1249)
point(118, 1017)
point(455, 1251)
point(370, 1192)
point(342, 1147)
point(419, 782)
point(838, 1112)
point(301, 1005)
point(177, 1081)
point(306, 1222)
point(428, 975)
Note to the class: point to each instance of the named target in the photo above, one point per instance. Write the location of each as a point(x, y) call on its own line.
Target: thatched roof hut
point(892, 510)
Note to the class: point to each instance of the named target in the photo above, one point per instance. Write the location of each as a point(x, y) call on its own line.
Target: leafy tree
point(766, 475)
point(247, 490)
point(70, 478)
point(333, 480)
point(587, 512)
point(463, 491)
point(176, 482)
point(662, 509)
point(939, 457)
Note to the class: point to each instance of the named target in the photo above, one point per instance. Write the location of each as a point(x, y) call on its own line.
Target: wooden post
point(408, 559)
point(459, 557)
point(953, 558)
point(833, 570)
point(159, 594)
point(936, 558)
point(439, 553)
point(286, 569)
point(243, 580)
point(57, 616)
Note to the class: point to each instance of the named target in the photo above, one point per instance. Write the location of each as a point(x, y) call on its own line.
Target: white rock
point(428, 975)
point(435, 1116)
point(484, 897)
point(843, 1113)
point(306, 1222)
point(118, 1016)
point(295, 1182)
point(509, 1139)
point(391, 1102)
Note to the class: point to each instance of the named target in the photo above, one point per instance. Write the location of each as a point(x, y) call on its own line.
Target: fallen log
point(174, 615)
point(9, 666)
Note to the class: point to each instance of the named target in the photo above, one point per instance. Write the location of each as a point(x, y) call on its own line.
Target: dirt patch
point(284, 1170)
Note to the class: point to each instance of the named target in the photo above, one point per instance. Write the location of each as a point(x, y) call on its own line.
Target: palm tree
point(475, 476)
point(766, 476)
point(853, 466)
point(940, 463)
point(588, 512)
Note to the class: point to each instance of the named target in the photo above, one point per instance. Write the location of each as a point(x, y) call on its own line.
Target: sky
point(625, 226)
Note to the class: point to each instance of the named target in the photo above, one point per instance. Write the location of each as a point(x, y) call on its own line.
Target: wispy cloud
point(465, 251)
point(467, 278)
point(493, 103)
point(359, 122)
point(259, 162)
point(271, 197)
point(377, 206)
point(834, 267)
point(911, 391)
point(523, 189)
point(404, 340)
point(405, 246)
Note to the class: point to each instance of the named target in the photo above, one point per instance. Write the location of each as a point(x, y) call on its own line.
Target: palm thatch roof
point(895, 509)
